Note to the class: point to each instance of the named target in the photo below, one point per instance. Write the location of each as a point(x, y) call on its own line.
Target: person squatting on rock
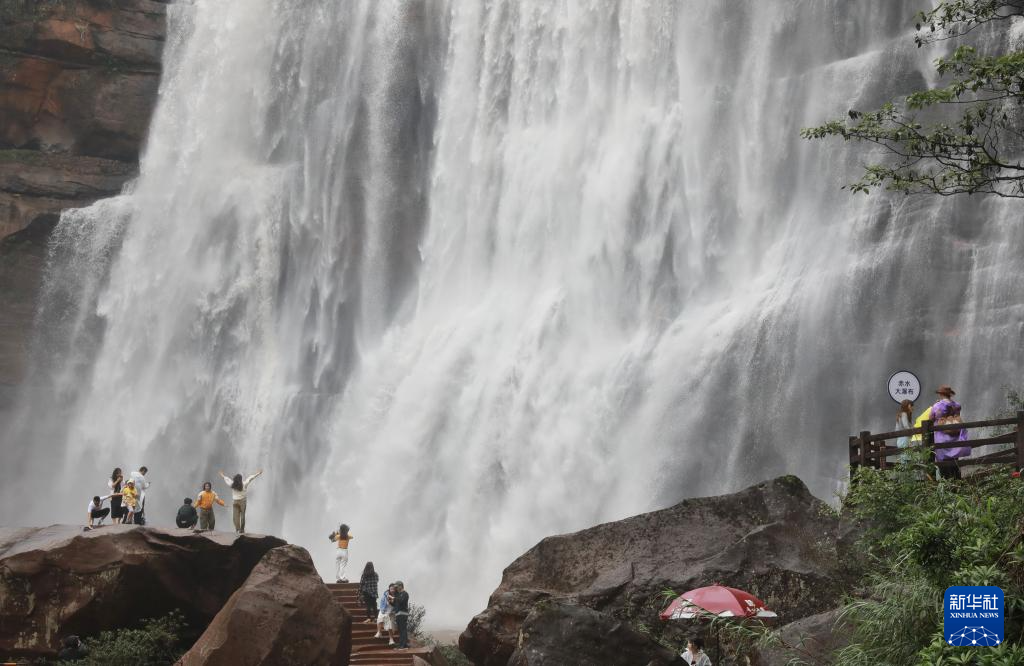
point(341, 539)
point(96, 510)
point(204, 502)
point(141, 484)
point(368, 591)
point(187, 516)
point(947, 412)
point(385, 616)
point(114, 484)
point(694, 654)
point(239, 488)
point(402, 615)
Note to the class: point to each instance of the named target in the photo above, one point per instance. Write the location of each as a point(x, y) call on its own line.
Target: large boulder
point(811, 639)
point(557, 634)
point(774, 539)
point(59, 580)
point(282, 614)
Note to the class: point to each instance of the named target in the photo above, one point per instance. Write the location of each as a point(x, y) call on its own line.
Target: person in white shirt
point(96, 511)
point(694, 654)
point(239, 488)
point(141, 483)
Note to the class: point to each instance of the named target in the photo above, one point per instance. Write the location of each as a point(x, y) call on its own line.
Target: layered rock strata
point(78, 84)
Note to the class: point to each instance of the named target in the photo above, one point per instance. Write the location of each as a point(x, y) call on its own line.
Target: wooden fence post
point(1020, 440)
point(928, 436)
point(853, 464)
point(865, 435)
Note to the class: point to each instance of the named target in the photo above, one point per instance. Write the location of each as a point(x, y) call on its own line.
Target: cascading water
point(465, 274)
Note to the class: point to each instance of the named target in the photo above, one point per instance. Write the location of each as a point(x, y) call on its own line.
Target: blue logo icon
point(973, 615)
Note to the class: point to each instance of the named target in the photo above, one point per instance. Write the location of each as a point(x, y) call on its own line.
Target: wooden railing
point(868, 450)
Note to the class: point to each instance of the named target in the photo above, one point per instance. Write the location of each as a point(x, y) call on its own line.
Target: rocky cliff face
point(78, 84)
point(773, 539)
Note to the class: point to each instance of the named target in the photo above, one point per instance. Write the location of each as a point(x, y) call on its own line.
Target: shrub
point(157, 643)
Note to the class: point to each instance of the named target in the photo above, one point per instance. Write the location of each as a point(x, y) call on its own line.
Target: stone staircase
point(367, 650)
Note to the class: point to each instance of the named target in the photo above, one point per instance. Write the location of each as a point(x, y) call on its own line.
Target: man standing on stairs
point(402, 615)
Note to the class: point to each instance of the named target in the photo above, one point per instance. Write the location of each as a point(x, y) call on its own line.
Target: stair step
point(366, 650)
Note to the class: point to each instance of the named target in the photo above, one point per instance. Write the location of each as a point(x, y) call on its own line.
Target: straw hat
point(945, 390)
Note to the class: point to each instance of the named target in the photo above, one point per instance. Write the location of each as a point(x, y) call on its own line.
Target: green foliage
point(977, 149)
point(453, 655)
point(921, 538)
point(157, 643)
point(415, 626)
point(955, 18)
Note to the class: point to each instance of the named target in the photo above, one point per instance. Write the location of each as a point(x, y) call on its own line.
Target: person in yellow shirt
point(341, 539)
point(130, 498)
point(926, 415)
point(204, 503)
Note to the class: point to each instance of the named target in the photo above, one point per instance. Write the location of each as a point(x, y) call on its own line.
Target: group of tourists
point(128, 502)
point(202, 511)
point(390, 611)
point(944, 412)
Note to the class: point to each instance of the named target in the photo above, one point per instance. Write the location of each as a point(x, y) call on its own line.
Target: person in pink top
point(947, 412)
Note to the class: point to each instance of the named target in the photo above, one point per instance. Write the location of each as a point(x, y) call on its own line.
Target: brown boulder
point(812, 640)
point(556, 634)
point(59, 580)
point(282, 614)
point(774, 539)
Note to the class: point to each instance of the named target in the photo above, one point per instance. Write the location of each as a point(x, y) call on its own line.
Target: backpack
point(949, 419)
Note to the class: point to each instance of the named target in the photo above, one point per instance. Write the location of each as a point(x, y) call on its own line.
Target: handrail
point(885, 451)
point(867, 449)
point(942, 428)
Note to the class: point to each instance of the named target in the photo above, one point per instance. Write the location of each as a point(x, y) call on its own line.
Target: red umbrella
point(715, 600)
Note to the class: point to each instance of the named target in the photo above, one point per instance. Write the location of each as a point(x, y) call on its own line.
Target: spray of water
point(465, 274)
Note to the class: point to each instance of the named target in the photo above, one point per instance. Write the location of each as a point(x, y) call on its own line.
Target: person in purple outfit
point(947, 412)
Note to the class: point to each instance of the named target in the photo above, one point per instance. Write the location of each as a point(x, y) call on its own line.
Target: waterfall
point(465, 274)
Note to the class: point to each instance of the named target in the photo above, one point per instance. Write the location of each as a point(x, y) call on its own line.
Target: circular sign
point(904, 385)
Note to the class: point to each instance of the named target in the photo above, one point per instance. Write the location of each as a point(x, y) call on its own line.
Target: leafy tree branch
point(963, 137)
